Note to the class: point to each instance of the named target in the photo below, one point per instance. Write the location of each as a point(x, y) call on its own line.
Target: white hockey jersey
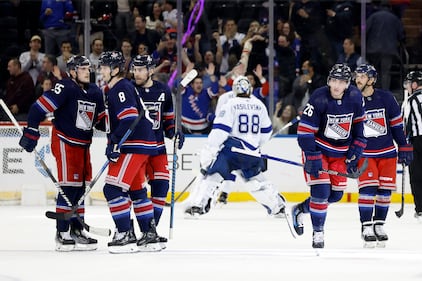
point(245, 119)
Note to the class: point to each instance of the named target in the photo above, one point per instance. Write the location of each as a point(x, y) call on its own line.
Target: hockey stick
point(185, 81)
point(291, 123)
point(182, 192)
point(68, 215)
point(354, 175)
point(91, 229)
point(400, 212)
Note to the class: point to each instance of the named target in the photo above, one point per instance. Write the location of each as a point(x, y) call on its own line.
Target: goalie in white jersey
point(242, 124)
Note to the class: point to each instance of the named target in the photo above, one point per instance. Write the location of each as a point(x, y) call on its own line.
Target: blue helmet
point(369, 70)
point(113, 59)
point(340, 71)
point(76, 61)
point(143, 60)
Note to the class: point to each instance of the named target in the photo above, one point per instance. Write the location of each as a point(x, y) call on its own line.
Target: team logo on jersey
point(338, 126)
point(375, 124)
point(154, 109)
point(85, 115)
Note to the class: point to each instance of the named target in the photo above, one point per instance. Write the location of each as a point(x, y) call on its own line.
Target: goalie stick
point(182, 192)
point(91, 229)
point(353, 175)
point(68, 215)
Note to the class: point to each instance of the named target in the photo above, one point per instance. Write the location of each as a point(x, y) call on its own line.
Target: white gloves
point(207, 156)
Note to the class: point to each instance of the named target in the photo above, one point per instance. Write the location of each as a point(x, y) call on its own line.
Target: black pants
point(415, 170)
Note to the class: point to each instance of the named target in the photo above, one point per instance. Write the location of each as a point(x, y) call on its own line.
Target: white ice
point(235, 242)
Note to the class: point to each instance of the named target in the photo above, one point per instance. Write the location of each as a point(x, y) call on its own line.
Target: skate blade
point(64, 248)
point(369, 244)
point(381, 244)
point(163, 245)
point(190, 216)
point(126, 249)
point(151, 247)
point(85, 247)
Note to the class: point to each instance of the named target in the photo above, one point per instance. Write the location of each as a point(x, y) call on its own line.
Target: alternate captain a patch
point(376, 124)
point(85, 115)
point(338, 126)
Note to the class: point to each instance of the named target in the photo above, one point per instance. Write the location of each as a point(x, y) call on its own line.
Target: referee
point(413, 84)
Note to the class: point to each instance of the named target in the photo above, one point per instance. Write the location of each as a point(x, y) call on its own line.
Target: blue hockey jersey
point(124, 106)
point(76, 111)
point(384, 123)
point(330, 125)
point(159, 102)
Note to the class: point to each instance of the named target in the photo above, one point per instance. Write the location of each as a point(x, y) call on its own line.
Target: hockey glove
point(207, 157)
point(180, 139)
point(354, 154)
point(113, 152)
point(29, 139)
point(405, 154)
point(169, 133)
point(313, 163)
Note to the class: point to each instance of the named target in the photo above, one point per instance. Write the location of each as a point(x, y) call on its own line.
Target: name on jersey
point(85, 116)
point(338, 126)
point(375, 124)
point(247, 106)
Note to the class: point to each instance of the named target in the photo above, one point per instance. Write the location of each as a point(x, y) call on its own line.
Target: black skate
point(297, 218)
point(123, 242)
point(318, 240)
point(222, 198)
point(150, 241)
point(368, 236)
point(64, 242)
point(194, 212)
point(83, 241)
point(380, 234)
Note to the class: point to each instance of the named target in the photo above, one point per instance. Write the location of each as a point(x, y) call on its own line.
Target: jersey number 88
point(245, 124)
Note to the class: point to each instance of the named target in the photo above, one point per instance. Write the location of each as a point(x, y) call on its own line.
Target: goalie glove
point(207, 157)
point(29, 139)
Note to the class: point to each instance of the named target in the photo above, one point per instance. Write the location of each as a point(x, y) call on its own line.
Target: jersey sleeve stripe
point(46, 104)
point(398, 121)
point(127, 113)
point(222, 127)
point(266, 130)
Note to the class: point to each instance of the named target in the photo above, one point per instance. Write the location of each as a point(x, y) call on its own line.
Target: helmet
point(143, 60)
point(242, 86)
point(76, 61)
point(414, 76)
point(113, 59)
point(340, 71)
point(369, 70)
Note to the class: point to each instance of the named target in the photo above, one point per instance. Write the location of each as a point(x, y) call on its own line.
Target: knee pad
point(368, 190)
point(139, 194)
point(159, 188)
point(322, 191)
point(335, 196)
point(112, 192)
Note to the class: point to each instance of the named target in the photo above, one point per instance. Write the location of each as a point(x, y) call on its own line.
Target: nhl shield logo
point(338, 126)
point(375, 124)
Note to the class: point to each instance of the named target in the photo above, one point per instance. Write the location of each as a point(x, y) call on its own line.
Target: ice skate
point(194, 212)
point(150, 241)
point(64, 242)
point(297, 218)
point(418, 216)
point(282, 212)
point(368, 236)
point(380, 234)
point(163, 242)
point(83, 241)
point(318, 240)
point(123, 242)
point(222, 198)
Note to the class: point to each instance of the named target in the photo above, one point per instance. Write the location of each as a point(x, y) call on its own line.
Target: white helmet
point(242, 86)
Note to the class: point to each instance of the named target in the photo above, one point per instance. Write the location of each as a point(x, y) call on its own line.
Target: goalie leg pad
point(205, 192)
point(265, 193)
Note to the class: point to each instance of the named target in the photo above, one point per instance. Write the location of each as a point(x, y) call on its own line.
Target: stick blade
point(399, 213)
point(189, 77)
point(59, 216)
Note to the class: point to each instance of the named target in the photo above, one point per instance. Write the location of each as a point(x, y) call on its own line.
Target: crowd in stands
point(231, 37)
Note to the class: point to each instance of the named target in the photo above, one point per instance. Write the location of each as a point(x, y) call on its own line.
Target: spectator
point(97, 48)
point(304, 85)
point(260, 85)
point(126, 49)
point(52, 18)
point(149, 37)
point(384, 31)
point(231, 43)
point(155, 20)
point(295, 42)
point(210, 56)
point(142, 49)
point(349, 55)
point(31, 60)
point(19, 90)
point(282, 116)
point(166, 53)
point(285, 59)
point(47, 85)
point(258, 33)
point(123, 19)
point(170, 14)
point(50, 70)
point(66, 50)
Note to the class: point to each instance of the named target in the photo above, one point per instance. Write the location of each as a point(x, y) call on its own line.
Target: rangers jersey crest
point(85, 115)
point(154, 109)
point(375, 124)
point(338, 126)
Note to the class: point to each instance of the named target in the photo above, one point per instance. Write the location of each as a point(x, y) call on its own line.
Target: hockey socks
point(143, 208)
point(119, 205)
point(159, 189)
point(382, 203)
point(73, 193)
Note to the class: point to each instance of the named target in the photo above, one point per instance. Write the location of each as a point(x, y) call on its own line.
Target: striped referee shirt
point(414, 117)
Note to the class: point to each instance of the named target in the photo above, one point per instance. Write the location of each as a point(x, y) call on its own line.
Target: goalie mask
point(242, 87)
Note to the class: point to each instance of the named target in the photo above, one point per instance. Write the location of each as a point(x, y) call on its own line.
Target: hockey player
point(157, 98)
point(125, 179)
point(77, 106)
point(242, 123)
point(330, 134)
point(384, 123)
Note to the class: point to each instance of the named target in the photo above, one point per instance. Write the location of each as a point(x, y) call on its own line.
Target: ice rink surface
point(235, 242)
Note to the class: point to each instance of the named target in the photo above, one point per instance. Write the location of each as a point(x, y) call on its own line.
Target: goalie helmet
point(113, 59)
point(340, 71)
point(368, 70)
point(143, 60)
point(414, 76)
point(77, 61)
point(242, 86)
